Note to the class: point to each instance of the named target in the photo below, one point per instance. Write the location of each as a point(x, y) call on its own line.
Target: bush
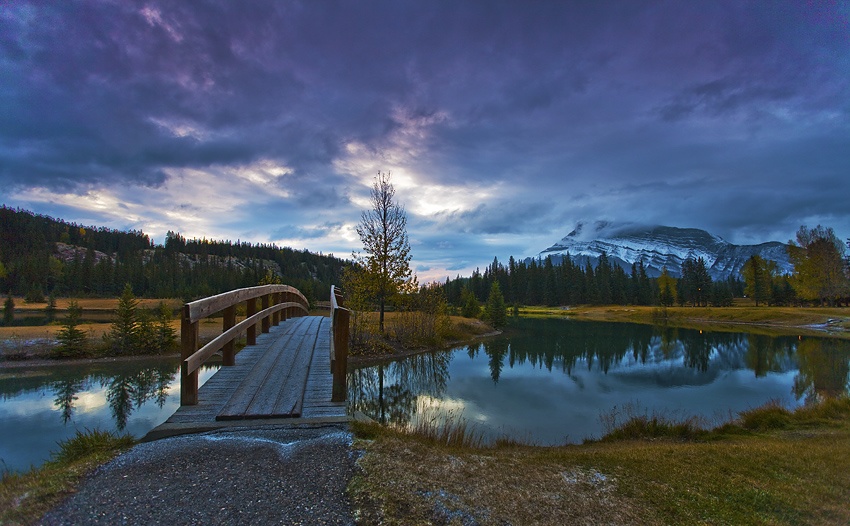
point(424, 321)
point(88, 443)
point(765, 418)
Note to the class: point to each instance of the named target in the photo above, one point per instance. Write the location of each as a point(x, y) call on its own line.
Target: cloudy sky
point(503, 123)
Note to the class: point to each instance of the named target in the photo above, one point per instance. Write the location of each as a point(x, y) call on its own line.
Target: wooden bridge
point(293, 366)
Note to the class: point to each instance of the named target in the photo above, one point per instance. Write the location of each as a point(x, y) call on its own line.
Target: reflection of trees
point(388, 392)
point(127, 387)
point(496, 351)
point(545, 343)
point(126, 391)
point(697, 351)
point(66, 391)
point(766, 354)
point(824, 369)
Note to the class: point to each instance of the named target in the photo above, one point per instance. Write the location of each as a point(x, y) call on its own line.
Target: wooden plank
point(219, 388)
point(197, 359)
point(275, 386)
point(279, 381)
point(291, 396)
point(247, 390)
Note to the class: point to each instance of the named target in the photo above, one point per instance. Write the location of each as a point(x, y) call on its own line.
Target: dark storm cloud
point(729, 116)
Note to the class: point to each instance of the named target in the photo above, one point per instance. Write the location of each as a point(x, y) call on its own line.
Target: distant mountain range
point(659, 247)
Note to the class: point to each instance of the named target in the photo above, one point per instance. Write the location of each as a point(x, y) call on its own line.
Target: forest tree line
point(104, 260)
point(821, 277)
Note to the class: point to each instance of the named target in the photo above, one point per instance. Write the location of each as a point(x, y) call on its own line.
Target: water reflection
point(389, 392)
point(561, 369)
point(824, 369)
point(42, 406)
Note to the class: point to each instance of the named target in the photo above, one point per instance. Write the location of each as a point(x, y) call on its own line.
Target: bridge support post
point(228, 354)
point(188, 346)
point(276, 315)
point(251, 332)
point(340, 335)
point(266, 322)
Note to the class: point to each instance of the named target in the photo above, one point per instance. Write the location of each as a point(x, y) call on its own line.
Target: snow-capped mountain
point(659, 247)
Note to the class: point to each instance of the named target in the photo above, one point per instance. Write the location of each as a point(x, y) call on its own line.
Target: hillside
point(43, 255)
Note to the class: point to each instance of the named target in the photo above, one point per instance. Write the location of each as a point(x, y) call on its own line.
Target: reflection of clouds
point(88, 401)
point(26, 404)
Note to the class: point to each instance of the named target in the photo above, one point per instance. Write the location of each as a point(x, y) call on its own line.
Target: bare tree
point(383, 231)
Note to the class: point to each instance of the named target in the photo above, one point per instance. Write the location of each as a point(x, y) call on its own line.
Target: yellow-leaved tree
point(383, 231)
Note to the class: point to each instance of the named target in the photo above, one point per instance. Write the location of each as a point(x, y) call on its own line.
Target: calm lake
point(42, 405)
point(550, 380)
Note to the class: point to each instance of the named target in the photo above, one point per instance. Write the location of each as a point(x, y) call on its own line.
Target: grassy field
point(742, 316)
point(770, 467)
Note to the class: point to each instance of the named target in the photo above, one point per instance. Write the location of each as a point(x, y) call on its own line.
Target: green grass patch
point(768, 466)
point(25, 497)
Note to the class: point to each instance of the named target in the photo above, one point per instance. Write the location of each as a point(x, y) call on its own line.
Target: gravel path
point(282, 475)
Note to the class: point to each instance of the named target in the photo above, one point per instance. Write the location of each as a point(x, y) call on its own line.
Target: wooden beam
point(251, 333)
point(265, 323)
point(188, 345)
point(205, 307)
point(228, 352)
point(340, 364)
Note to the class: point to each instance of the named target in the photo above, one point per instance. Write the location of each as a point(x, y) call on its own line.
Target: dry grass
point(25, 497)
point(94, 304)
point(742, 316)
point(796, 475)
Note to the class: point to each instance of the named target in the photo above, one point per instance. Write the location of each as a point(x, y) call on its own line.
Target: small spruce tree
point(50, 309)
point(469, 304)
point(494, 310)
point(72, 340)
point(9, 311)
point(123, 336)
point(166, 336)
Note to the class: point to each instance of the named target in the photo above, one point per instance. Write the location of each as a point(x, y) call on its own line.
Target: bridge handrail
point(278, 303)
point(197, 359)
point(339, 345)
point(203, 308)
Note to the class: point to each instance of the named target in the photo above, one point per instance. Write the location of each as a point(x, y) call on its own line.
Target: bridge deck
point(284, 378)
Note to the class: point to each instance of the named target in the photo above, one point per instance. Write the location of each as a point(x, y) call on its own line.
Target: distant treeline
point(541, 282)
point(98, 261)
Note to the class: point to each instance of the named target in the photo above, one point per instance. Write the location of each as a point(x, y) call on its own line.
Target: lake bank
point(789, 321)
point(789, 473)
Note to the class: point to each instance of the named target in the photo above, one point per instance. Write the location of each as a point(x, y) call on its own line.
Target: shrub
point(767, 417)
point(88, 443)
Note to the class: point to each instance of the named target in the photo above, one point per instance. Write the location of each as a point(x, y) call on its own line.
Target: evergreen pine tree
point(50, 309)
point(166, 336)
point(469, 304)
point(9, 311)
point(494, 310)
point(72, 341)
point(123, 335)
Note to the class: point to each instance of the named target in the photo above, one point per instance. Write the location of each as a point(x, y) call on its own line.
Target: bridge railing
point(339, 345)
point(277, 303)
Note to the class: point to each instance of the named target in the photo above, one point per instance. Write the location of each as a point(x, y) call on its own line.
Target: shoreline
point(780, 321)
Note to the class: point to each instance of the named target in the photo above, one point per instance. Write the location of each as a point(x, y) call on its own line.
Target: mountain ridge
point(659, 247)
